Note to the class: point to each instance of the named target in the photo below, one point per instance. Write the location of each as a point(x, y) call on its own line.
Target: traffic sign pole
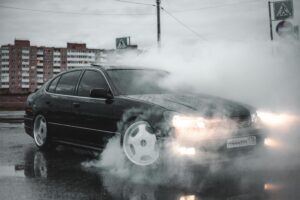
point(270, 19)
point(158, 21)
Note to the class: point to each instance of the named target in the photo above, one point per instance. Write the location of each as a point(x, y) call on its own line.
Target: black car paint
point(90, 122)
point(84, 121)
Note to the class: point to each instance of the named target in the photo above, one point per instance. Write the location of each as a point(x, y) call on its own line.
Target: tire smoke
point(262, 74)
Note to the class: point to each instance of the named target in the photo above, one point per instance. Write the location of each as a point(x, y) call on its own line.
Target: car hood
point(205, 105)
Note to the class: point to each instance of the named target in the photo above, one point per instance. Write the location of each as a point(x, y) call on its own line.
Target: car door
point(95, 116)
point(59, 101)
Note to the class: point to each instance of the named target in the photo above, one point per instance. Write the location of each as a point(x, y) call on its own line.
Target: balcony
point(25, 80)
point(5, 57)
point(25, 57)
point(26, 69)
point(40, 76)
point(74, 65)
point(5, 73)
point(39, 64)
point(4, 79)
point(25, 74)
point(4, 69)
point(4, 86)
point(40, 70)
point(4, 51)
point(40, 81)
point(25, 62)
point(56, 70)
point(25, 85)
point(40, 58)
point(5, 62)
point(25, 51)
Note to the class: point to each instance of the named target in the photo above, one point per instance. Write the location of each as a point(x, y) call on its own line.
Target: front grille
point(243, 121)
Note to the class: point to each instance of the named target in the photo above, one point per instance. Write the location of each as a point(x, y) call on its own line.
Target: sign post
point(281, 10)
point(296, 31)
point(270, 19)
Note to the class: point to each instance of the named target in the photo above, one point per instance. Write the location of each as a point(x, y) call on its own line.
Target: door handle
point(76, 105)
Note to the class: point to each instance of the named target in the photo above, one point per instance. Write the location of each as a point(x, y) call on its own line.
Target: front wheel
point(140, 144)
point(40, 132)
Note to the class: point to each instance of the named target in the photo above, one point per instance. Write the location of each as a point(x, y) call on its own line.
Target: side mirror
point(101, 93)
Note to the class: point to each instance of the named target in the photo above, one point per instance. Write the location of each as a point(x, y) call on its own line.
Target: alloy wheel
point(140, 144)
point(40, 130)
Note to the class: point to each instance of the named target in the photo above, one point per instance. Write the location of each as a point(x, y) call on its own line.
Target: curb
point(11, 119)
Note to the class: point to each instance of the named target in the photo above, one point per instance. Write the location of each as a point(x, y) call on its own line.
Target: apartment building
point(23, 67)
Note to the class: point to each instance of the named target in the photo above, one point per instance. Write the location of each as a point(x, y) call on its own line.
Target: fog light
point(188, 151)
point(188, 197)
point(269, 142)
point(271, 187)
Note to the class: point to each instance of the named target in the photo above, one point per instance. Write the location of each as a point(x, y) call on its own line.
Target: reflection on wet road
point(27, 173)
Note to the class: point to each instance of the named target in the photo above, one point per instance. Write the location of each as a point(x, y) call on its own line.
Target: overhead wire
point(134, 2)
point(71, 12)
point(124, 1)
point(216, 6)
point(183, 24)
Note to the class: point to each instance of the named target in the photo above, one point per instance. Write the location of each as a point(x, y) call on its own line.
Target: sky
point(220, 47)
point(99, 22)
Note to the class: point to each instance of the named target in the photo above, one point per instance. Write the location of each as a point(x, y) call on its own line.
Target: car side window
point(67, 83)
point(53, 84)
point(91, 80)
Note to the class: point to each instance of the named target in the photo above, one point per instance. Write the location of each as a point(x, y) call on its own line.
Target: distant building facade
point(23, 67)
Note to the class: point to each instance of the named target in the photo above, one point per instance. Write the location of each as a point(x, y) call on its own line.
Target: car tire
point(41, 132)
point(139, 143)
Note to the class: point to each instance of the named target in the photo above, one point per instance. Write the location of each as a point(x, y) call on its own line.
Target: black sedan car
point(86, 107)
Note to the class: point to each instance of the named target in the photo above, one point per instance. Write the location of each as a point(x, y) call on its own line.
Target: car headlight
point(183, 122)
point(254, 118)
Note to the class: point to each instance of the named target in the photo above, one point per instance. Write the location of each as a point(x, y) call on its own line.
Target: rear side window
point(67, 83)
point(91, 80)
point(53, 84)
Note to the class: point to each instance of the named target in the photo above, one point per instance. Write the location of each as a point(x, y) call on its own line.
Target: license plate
point(241, 142)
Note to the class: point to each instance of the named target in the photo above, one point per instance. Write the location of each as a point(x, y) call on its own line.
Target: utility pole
point(270, 19)
point(158, 21)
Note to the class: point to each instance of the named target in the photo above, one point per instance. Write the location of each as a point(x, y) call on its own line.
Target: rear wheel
point(140, 144)
point(40, 131)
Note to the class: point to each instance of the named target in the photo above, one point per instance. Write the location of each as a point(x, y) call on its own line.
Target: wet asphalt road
point(27, 173)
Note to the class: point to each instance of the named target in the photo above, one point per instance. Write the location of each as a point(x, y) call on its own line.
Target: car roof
point(124, 67)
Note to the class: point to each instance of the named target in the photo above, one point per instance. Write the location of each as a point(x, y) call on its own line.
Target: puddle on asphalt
point(12, 171)
point(11, 125)
point(59, 171)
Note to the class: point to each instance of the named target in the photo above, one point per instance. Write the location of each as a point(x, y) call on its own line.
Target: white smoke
point(262, 74)
point(241, 65)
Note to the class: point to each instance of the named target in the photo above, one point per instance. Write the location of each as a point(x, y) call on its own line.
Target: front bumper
point(221, 149)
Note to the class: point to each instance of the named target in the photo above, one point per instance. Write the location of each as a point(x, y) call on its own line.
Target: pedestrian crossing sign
point(283, 9)
point(122, 43)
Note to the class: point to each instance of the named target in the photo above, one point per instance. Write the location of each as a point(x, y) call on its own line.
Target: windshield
point(138, 81)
